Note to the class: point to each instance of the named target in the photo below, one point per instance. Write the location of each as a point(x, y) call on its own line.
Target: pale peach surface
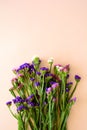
point(48, 28)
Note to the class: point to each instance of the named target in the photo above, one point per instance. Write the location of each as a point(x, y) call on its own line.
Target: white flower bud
point(59, 67)
point(50, 61)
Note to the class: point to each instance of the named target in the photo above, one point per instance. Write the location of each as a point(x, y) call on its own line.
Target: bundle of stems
point(43, 96)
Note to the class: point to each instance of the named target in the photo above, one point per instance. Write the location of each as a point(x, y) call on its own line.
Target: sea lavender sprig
point(43, 96)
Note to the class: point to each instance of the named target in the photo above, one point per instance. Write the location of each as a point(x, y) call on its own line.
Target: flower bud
point(77, 78)
point(50, 61)
point(36, 60)
point(8, 103)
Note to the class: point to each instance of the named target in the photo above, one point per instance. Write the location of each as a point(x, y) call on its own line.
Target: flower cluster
point(43, 98)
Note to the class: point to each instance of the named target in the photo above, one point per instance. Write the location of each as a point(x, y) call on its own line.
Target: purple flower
point(14, 101)
point(37, 84)
point(69, 84)
point(38, 73)
point(20, 75)
point(23, 66)
point(73, 99)
point(32, 104)
point(44, 69)
point(55, 85)
point(48, 75)
point(77, 78)
point(48, 90)
point(31, 68)
point(61, 68)
point(30, 98)
point(66, 68)
point(52, 82)
point(32, 79)
point(8, 103)
point(58, 67)
point(18, 100)
point(67, 89)
point(22, 107)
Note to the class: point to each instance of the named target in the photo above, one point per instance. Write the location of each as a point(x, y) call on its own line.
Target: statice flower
point(61, 68)
point(37, 84)
point(38, 73)
point(77, 78)
point(31, 69)
point(18, 100)
point(23, 66)
point(8, 103)
point(48, 75)
point(43, 95)
point(73, 99)
point(52, 82)
point(69, 84)
point(22, 107)
point(32, 79)
point(44, 69)
point(30, 98)
point(67, 89)
point(48, 90)
point(54, 85)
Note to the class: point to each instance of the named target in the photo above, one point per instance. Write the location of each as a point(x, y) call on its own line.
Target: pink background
point(48, 28)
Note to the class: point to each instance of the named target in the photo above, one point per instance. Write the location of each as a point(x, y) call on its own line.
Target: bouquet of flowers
point(43, 96)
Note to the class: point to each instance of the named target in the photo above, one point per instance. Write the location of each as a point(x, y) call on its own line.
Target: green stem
point(51, 67)
point(12, 113)
point(57, 107)
point(40, 114)
point(64, 124)
point(61, 120)
point(50, 120)
point(73, 91)
point(21, 123)
point(41, 101)
point(30, 124)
